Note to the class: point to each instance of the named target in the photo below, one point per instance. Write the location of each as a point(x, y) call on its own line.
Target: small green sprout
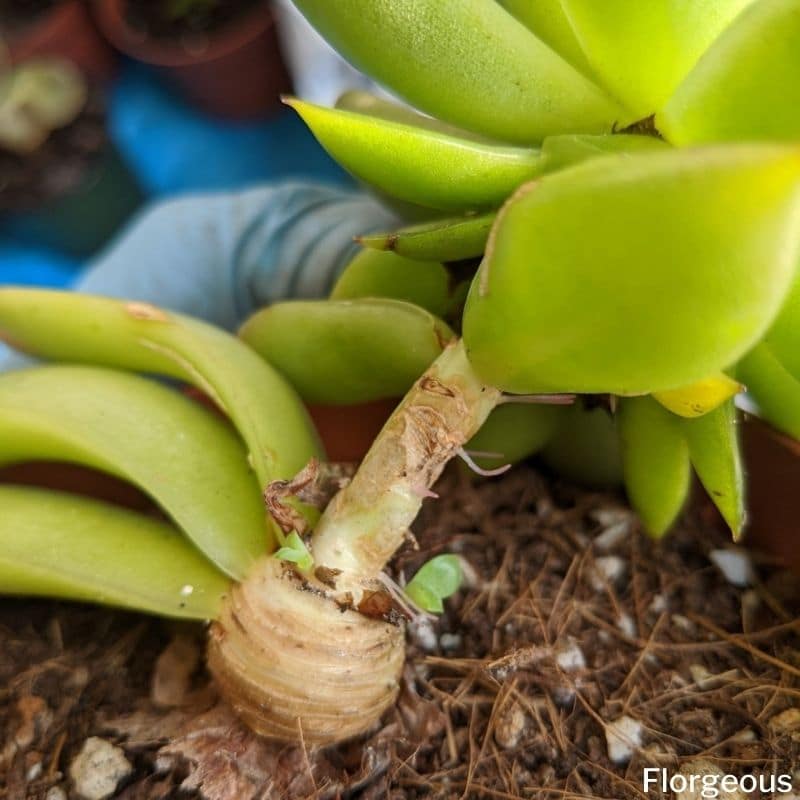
point(295, 551)
point(435, 581)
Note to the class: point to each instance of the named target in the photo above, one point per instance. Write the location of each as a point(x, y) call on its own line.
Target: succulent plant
point(628, 175)
point(37, 98)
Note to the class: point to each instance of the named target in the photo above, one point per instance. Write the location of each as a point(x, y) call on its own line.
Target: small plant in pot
point(203, 47)
point(64, 184)
point(56, 29)
point(581, 272)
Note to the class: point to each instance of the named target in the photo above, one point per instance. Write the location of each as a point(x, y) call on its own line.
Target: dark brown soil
point(178, 19)
point(571, 621)
point(16, 15)
point(57, 167)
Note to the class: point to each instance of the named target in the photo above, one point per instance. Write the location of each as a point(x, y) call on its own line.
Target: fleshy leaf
point(585, 447)
point(417, 165)
point(435, 581)
point(715, 454)
point(65, 326)
point(295, 551)
point(633, 274)
point(451, 239)
point(59, 545)
point(747, 86)
point(468, 62)
point(340, 352)
point(186, 458)
point(642, 50)
point(655, 462)
point(546, 19)
point(775, 390)
point(514, 432)
point(373, 273)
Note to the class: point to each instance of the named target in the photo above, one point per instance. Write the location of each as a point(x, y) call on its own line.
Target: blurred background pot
point(64, 29)
point(236, 71)
point(773, 467)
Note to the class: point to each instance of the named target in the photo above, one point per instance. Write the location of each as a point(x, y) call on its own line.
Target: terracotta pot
point(348, 431)
point(773, 484)
point(78, 480)
point(67, 31)
point(239, 74)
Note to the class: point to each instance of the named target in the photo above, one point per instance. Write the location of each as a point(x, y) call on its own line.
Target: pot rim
point(41, 30)
point(110, 17)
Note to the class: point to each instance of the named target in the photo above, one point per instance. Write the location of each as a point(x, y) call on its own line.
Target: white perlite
point(734, 565)
point(570, 657)
point(607, 569)
point(623, 737)
point(98, 768)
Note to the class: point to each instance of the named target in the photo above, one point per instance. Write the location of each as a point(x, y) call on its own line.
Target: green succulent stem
point(369, 519)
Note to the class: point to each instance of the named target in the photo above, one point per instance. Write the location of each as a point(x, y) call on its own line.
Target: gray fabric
point(222, 256)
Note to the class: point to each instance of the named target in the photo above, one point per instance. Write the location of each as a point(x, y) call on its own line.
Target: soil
point(29, 182)
point(178, 19)
point(571, 621)
point(16, 15)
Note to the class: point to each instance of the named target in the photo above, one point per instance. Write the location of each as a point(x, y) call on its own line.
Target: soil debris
point(511, 693)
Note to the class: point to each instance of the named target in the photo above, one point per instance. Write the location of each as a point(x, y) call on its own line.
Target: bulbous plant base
point(292, 663)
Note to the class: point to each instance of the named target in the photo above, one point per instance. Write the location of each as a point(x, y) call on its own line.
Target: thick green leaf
point(417, 165)
point(585, 447)
point(515, 431)
point(634, 273)
point(642, 49)
point(362, 102)
point(775, 390)
point(546, 18)
point(65, 326)
point(186, 458)
point(435, 581)
point(339, 352)
point(468, 62)
point(715, 454)
point(373, 273)
point(747, 86)
point(655, 462)
point(559, 152)
point(60, 545)
point(453, 239)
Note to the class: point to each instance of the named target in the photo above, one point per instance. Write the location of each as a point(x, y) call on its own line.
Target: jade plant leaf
point(585, 447)
point(362, 102)
point(773, 387)
point(452, 239)
point(468, 62)
point(184, 456)
point(435, 581)
point(715, 454)
point(59, 545)
point(747, 86)
point(418, 165)
point(634, 273)
point(373, 273)
point(65, 326)
point(655, 462)
point(340, 352)
point(546, 19)
point(513, 432)
point(642, 50)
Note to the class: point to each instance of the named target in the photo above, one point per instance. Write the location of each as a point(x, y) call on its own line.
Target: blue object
point(174, 149)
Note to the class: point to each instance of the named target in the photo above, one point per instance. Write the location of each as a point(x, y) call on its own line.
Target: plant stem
point(369, 519)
